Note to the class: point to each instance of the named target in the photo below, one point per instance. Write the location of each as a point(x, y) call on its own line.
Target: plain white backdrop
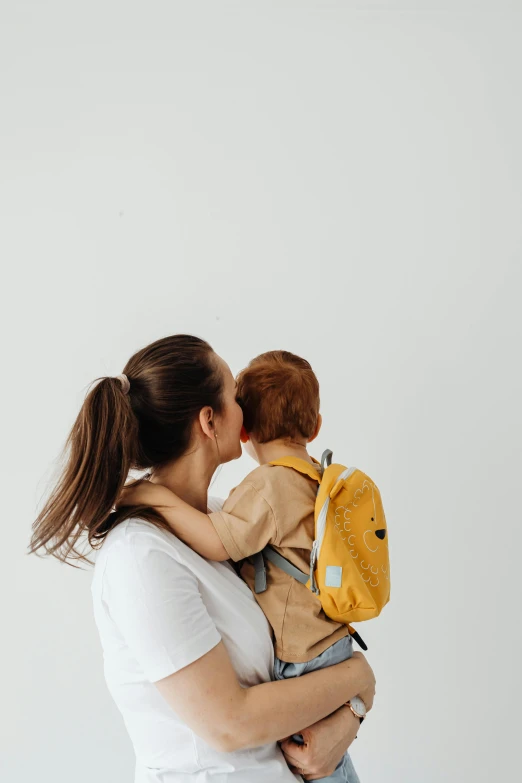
point(340, 180)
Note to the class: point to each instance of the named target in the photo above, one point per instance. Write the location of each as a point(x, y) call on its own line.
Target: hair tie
point(125, 383)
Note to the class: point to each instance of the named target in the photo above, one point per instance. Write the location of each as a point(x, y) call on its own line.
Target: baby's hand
point(147, 494)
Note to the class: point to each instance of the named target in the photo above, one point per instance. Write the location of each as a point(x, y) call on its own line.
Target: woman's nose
point(381, 534)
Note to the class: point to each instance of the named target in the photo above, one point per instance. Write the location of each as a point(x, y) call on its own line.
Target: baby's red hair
point(279, 394)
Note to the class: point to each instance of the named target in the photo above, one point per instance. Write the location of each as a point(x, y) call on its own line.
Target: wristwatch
point(357, 707)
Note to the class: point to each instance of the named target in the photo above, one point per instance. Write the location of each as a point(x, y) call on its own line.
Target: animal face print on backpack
point(362, 524)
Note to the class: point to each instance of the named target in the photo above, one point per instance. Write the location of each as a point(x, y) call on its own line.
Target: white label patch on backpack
point(334, 576)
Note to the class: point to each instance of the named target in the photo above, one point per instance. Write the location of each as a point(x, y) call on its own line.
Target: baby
point(273, 505)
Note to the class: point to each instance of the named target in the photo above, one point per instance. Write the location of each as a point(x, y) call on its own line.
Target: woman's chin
point(238, 452)
point(233, 455)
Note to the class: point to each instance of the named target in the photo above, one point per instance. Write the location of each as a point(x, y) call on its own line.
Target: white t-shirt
point(159, 606)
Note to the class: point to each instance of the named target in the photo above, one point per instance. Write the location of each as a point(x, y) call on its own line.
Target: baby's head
point(279, 394)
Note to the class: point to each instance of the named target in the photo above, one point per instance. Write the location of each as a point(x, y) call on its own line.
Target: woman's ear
point(244, 437)
point(317, 428)
point(206, 422)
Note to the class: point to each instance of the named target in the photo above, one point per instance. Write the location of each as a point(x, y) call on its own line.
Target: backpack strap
point(326, 459)
point(313, 472)
point(260, 578)
point(285, 565)
point(301, 465)
point(279, 561)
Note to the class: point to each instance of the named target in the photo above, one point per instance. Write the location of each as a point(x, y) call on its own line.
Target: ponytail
point(99, 452)
point(141, 420)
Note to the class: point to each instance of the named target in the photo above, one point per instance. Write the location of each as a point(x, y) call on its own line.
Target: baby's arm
point(244, 526)
point(193, 527)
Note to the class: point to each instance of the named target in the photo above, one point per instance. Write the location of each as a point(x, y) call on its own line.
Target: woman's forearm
point(278, 709)
point(207, 695)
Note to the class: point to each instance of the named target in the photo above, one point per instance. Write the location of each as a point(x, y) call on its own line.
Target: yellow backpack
point(349, 564)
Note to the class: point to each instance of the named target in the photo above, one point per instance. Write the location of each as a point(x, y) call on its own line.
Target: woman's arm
point(208, 697)
point(191, 526)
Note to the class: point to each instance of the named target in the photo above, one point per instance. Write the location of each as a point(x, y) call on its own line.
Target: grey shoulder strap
point(326, 459)
point(279, 561)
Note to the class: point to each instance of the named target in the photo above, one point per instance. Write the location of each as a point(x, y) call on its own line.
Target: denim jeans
point(340, 651)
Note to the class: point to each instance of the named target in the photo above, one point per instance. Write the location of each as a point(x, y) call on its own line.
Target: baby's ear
point(244, 437)
point(317, 428)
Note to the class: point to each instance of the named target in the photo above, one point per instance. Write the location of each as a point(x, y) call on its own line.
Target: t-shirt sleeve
point(155, 603)
point(246, 524)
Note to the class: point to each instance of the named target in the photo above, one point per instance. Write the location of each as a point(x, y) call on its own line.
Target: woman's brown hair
point(171, 380)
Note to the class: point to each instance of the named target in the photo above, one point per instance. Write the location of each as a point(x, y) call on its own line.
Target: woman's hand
point(326, 742)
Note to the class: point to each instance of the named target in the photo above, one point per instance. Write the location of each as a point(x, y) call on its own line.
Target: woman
point(187, 651)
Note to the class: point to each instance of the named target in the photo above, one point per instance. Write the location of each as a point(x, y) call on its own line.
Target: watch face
point(357, 705)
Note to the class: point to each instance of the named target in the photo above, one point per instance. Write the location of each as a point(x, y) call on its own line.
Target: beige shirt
point(275, 505)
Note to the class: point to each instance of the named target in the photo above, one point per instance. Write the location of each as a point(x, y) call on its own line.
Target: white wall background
point(341, 180)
